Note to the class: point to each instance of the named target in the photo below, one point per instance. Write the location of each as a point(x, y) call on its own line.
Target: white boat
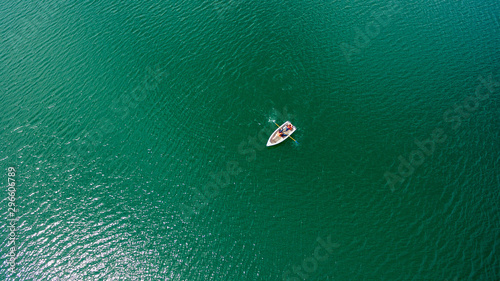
point(276, 138)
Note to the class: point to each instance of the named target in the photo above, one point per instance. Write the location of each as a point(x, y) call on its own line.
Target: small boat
point(275, 138)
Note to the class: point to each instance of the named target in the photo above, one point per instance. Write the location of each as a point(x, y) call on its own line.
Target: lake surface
point(137, 131)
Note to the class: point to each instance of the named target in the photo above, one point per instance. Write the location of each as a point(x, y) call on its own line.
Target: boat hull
point(275, 138)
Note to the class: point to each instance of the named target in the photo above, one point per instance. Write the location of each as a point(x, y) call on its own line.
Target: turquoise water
point(138, 130)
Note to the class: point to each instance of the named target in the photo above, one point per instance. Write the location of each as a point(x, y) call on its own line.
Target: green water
point(138, 131)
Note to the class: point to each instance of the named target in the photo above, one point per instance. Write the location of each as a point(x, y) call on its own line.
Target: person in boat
point(281, 134)
point(289, 127)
